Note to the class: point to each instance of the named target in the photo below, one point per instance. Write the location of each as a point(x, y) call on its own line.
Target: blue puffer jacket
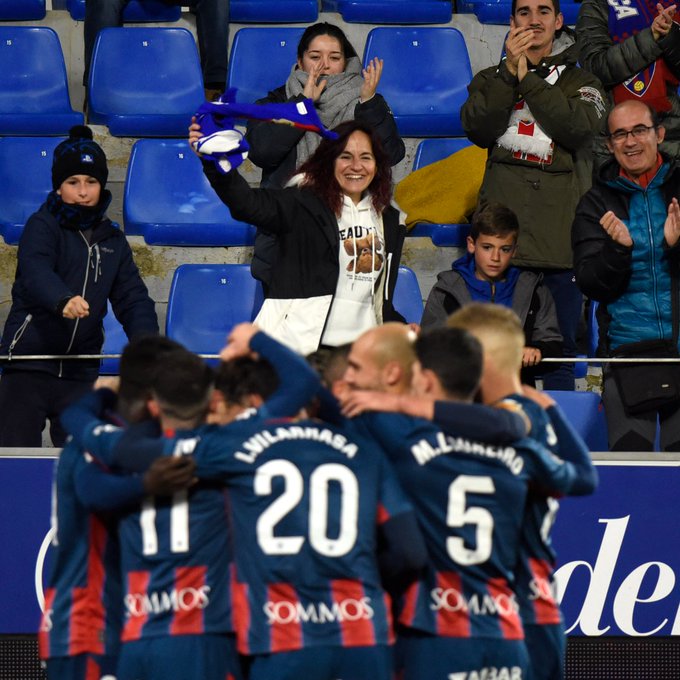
point(634, 283)
point(56, 263)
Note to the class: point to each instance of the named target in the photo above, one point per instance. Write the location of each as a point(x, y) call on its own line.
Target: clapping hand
point(371, 76)
point(616, 229)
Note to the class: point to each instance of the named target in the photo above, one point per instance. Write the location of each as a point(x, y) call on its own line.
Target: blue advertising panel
point(618, 550)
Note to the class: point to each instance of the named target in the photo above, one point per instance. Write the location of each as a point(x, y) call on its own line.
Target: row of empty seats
point(167, 199)
point(147, 81)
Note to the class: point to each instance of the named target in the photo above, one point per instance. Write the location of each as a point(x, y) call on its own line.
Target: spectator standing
point(71, 261)
point(484, 274)
point(212, 30)
point(329, 72)
point(633, 47)
point(339, 240)
point(536, 113)
point(625, 238)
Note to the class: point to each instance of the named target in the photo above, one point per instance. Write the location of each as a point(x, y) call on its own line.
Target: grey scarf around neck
point(334, 106)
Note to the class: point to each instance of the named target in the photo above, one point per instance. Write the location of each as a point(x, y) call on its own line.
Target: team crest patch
point(640, 82)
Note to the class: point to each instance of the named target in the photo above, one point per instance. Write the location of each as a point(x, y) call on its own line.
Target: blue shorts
point(189, 657)
point(324, 663)
point(81, 667)
point(547, 647)
point(419, 656)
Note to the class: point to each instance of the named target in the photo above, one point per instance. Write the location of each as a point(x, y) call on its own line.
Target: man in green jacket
point(537, 112)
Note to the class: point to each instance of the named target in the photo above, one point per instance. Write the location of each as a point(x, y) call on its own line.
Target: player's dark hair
point(330, 363)
point(138, 366)
point(455, 356)
point(183, 385)
point(239, 378)
point(555, 4)
point(324, 28)
point(494, 219)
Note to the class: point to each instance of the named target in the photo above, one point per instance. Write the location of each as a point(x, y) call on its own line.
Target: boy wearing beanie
point(71, 260)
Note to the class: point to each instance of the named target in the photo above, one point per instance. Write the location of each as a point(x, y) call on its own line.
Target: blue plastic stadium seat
point(261, 59)
point(22, 10)
point(169, 201)
point(408, 300)
point(391, 11)
point(114, 342)
point(593, 328)
point(585, 412)
point(430, 151)
point(423, 105)
point(207, 300)
point(136, 11)
point(273, 11)
point(19, 198)
point(490, 12)
point(34, 97)
point(145, 81)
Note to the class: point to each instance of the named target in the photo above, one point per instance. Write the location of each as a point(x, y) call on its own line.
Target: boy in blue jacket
point(484, 274)
point(71, 261)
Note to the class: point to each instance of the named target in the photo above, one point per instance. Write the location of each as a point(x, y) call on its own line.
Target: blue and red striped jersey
point(469, 497)
point(305, 505)
point(83, 604)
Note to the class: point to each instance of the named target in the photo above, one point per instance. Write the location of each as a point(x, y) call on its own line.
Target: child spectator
point(71, 260)
point(484, 274)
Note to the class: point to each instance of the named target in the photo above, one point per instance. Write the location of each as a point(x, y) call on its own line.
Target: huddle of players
point(334, 532)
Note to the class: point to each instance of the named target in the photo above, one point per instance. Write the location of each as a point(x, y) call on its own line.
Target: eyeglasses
point(638, 132)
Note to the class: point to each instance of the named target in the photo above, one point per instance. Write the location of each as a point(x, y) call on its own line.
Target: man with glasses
point(626, 256)
point(536, 113)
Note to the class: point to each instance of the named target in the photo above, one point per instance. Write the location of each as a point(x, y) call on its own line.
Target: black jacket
point(56, 263)
point(307, 262)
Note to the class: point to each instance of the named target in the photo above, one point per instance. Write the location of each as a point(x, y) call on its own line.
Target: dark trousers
point(212, 30)
point(28, 399)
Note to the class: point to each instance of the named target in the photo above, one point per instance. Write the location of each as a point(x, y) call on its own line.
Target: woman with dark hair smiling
point(339, 240)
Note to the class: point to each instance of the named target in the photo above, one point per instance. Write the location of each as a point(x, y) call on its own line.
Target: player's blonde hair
point(497, 328)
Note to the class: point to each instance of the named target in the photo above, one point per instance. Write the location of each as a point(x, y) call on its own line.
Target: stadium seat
point(136, 11)
point(145, 81)
point(22, 10)
point(498, 12)
point(391, 11)
point(34, 97)
point(593, 329)
point(273, 11)
point(207, 300)
point(114, 342)
point(261, 59)
point(585, 412)
point(168, 200)
point(19, 199)
point(426, 82)
point(408, 300)
point(430, 151)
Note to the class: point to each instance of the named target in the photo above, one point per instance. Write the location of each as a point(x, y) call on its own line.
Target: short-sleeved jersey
point(83, 610)
point(305, 502)
point(469, 498)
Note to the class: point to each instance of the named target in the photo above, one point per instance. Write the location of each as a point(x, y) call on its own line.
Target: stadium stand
point(586, 413)
point(430, 151)
point(19, 199)
point(426, 82)
point(391, 11)
point(136, 11)
point(207, 300)
point(22, 10)
point(490, 12)
point(144, 81)
point(273, 11)
point(261, 59)
point(34, 98)
point(408, 299)
point(168, 200)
